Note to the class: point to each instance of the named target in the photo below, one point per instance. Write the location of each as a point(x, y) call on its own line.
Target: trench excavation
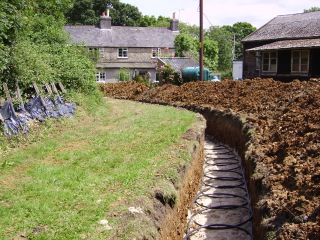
point(221, 209)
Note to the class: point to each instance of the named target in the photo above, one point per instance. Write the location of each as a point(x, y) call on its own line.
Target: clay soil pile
point(286, 120)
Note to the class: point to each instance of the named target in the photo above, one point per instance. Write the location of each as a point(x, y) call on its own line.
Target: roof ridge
point(291, 14)
point(176, 57)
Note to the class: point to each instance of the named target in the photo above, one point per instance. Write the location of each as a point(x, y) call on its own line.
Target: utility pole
point(201, 41)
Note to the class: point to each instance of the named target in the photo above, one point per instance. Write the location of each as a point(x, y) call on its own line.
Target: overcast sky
point(223, 12)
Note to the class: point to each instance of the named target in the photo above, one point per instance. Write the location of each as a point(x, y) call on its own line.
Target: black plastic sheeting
point(37, 108)
point(13, 123)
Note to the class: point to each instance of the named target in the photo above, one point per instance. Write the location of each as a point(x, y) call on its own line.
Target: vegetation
point(219, 41)
point(167, 75)
point(122, 14)
point(221, 44)
point(35, 47)
point(124, 75)
point(312, 9)
point(62, 181)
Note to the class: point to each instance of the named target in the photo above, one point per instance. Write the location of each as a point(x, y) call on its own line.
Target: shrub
point(124, 75)
point(167, 75)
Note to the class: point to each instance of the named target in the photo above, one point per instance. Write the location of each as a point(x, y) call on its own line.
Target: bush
point(142, 79)
point(167, 75)
point(226, 75)
point(35, 48)
point(124, 75)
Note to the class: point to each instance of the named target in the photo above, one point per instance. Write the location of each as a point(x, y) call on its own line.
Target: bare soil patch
point(286, 159)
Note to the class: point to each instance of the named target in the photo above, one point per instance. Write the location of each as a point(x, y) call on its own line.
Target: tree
point(35, 47)
point(89, 12)
point(82, 12)
point(192, 30)
point(312, 9)
point(224, 39)
point(184, 45)
point(211, 54)
point(240, 31)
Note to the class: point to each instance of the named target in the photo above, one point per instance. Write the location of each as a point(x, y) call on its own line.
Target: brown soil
point(286, 159)
point(174, 224)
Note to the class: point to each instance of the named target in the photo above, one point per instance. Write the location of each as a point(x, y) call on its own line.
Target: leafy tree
point(210, 51)
point(35, 47)
point(240, 31)
point(146, 21)
point(8, 25)
point(192, 30)
point(184, 44)
point(224, 39)
point(312, 9)
point(82, 12)
point(89, 11)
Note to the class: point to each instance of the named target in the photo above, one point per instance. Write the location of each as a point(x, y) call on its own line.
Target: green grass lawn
point(75, 172)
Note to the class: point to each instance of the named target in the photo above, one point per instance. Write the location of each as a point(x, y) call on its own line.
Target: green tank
point(193, 73)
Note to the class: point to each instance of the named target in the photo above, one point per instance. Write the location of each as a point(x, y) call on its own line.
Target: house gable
point(287, 47)
point(292, 26)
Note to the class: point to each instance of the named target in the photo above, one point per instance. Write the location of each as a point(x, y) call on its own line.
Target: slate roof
point(292, 26)
point(289, 44)
point(179, 63)
point(119, 36)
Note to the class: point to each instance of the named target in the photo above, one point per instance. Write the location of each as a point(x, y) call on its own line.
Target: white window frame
point(101, 76)
point(269, 62)
point(300, 53)
point(155, 52)
point(123, 50)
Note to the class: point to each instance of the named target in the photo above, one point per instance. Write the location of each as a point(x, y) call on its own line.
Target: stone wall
point(136, 55)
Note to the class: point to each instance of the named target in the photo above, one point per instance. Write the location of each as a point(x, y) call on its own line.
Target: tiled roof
point(292, 26)
point(179, 63)
point(119, 36)
point(289, 44)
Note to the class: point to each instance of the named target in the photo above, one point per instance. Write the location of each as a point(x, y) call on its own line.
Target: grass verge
point(72, 174)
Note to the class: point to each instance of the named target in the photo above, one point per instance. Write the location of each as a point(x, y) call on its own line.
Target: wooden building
point(287, 47)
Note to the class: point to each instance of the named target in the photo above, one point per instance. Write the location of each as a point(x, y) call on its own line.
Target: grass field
point(60, 182)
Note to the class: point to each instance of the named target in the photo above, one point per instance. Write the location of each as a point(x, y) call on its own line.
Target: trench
point(223, 203)
point(221, 209)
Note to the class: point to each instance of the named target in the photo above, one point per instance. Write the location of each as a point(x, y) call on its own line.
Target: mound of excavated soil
point(286, 118)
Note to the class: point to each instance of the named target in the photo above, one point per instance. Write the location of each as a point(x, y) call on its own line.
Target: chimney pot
point(105, 21)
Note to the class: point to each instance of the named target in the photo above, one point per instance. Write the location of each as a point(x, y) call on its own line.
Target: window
point(101, 76)
point(122, 52)
point(269, 62)
point(156, 52)
point(300, 61)
point(258, 61)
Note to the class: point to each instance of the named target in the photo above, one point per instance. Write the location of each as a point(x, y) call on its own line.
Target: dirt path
point(222, 208)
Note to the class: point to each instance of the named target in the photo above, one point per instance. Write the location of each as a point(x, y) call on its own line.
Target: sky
point(223, 12)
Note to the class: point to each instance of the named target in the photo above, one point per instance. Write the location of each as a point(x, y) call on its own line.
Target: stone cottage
point(135, 49)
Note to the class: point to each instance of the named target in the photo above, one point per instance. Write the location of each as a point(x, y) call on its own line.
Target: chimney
point(174, 23)
point(105, 20)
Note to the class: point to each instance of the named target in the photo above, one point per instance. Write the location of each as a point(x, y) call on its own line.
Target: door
point(315, 62)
